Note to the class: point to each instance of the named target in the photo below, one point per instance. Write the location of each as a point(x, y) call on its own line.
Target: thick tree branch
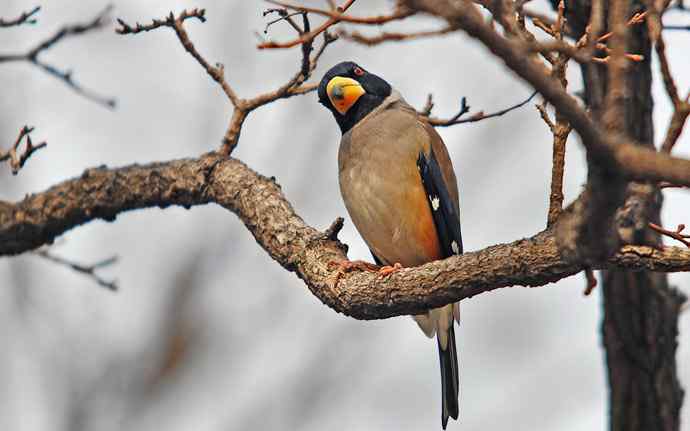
point(104, 193)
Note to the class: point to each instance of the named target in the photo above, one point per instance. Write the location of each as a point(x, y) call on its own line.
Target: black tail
point(450, 381)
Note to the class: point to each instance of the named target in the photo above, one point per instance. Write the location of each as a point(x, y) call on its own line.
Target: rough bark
point(103, 193)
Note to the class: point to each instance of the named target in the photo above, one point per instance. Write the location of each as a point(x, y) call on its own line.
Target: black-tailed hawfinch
point(398, 184)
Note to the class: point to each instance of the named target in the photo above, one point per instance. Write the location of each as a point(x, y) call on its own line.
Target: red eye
point(358, 71)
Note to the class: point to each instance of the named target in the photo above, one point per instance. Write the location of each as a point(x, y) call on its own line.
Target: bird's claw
point(387, 270)
point(345, 266)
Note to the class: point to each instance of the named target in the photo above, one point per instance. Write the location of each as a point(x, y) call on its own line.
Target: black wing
point(376, 259)
point(446, 219)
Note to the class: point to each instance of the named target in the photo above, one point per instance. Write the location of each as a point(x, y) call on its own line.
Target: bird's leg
point(345, 266)
point(387, 270)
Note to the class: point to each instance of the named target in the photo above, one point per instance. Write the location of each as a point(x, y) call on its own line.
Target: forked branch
point(17, 158)
point(242, 107)
point(33, 56)
point(24, 18)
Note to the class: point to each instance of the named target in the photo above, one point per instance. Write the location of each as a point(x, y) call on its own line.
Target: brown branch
point(456, 119)
point(88, 270)
point(217, 73)
point(360, 38)
point(169, 21)
point(590, 281)
point(339, 16)
point(284, 15)
point(308, 36)
point(103, 193)
point(561, 128)
point(667, 185)
point(242, 107)
point(677, 234)
point(24, 18)
point(610, 151)
point(32, 57)
point(681, 107)
point(18, 159)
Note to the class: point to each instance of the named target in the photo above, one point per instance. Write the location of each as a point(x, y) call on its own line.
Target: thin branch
point(610, 151)
point(242, 107)
point(666, 185)
point(169, 21)
point(360, 38)
point(335, 16)
point(88, 270)
point(284, 15)
point(18, 159)
point(24, 18)
point(455, 119)
point(308, 36)
point(32, 57)
point(217, 73)
point(677, 234)
point(590, 281)
point(560, 129)
point(339, 16)
point(681, 107)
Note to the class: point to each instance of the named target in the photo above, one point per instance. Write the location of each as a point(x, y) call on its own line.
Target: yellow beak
point(343, 93)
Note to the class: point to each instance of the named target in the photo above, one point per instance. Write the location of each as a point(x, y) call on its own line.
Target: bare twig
point(455, 119)
point(339, 16)
point(677, 234)
point(284, 15)
point(667, 185)
point(590, 281)
point(358, 37)
point(24, 18)
point(583, 50)
point(217, 72)
point(32, 56)
point(308, 36)
point(88, 270)
point(335, 16)
point(242, 107)
point(169, 21)
point(17, 159)
point(681, 107)
point(560, 129)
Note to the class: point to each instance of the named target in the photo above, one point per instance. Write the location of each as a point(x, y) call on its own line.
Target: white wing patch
point(435, 202)
point(454, 246)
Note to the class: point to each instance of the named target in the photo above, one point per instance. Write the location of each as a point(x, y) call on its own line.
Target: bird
point(400, 190)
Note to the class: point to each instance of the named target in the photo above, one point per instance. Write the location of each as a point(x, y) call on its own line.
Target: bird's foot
point(387, 270)
point(345, 266)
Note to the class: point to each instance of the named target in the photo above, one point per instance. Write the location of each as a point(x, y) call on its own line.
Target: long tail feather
point(450, 380)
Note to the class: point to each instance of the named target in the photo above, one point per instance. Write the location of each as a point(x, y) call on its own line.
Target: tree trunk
point(641, 311)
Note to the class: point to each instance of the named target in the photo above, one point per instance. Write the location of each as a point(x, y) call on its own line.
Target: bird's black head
point(350, 93)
